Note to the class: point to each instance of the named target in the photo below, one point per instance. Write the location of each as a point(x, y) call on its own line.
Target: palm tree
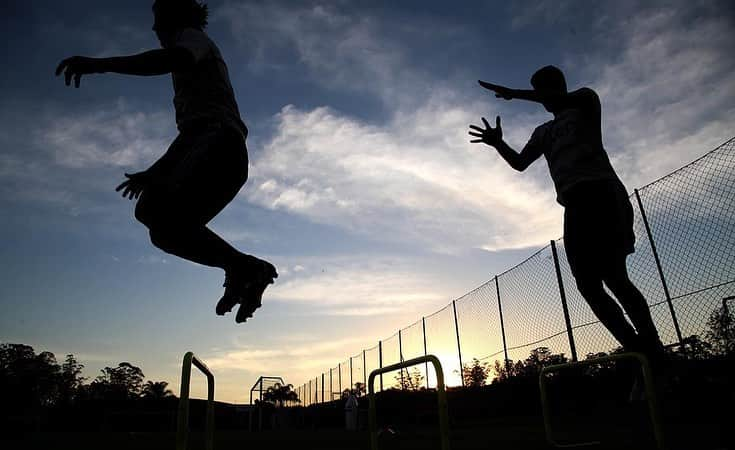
point(280, 394)
point(156, 390)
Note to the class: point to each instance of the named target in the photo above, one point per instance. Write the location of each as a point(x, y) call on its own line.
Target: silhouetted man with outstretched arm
point(205, 166)
point(598, 217)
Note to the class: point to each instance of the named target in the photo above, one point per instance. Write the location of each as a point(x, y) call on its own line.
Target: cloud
point(338, 46)
point(297, 359)
point(527, 13)
point(409, 180)
point(415, 178)
point(116, 137)
point(363, 286)
point(665, 74)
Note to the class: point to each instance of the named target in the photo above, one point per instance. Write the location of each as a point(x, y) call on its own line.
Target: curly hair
point(187, 13)
point(549, 77)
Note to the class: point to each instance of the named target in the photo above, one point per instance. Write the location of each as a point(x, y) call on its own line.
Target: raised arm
point(579, 98)
point(150, 63)
point(494, 138)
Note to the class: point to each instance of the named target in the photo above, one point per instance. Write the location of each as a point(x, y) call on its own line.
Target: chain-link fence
point(684, 265)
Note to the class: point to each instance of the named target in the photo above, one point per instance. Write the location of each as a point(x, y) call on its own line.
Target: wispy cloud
point(116, 137)
point(72, 162)
point(666, 79)
point(298, 359)
point(408, 180)
point(338, 46)
point(415, 177)
point(669, 94)
point(358, 286)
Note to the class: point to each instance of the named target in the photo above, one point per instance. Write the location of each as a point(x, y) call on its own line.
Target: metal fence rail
point(648, 382)
point(182, 424)
point(684, 265)
point(441, 398)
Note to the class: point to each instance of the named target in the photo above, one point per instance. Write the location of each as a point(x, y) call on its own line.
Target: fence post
point(380, 362)
point(331, 386)
point(660, 268)
point(423, 327)
point(400, 356)
point(309, 392)
point(563, 295)
point(352, 384)
point(322, 387)
point(502, 323)
point(364, 369)
point(339, 378)
point(459, 347)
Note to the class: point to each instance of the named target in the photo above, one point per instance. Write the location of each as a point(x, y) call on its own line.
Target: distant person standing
point(205, 166)
point(598, 217)
point(351, 411)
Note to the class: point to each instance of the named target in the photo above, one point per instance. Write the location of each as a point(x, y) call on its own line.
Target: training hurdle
point(653, 406)
point(440, 390)
point(182, 424)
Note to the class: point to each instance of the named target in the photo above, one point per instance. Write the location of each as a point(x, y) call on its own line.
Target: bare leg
point(607, 310)
point(198, 244)
point(616, 278)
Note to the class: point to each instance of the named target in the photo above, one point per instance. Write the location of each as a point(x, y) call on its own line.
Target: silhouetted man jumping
point(598, 218)
point(205, 166)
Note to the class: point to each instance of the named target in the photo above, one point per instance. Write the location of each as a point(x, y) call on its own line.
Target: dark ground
point(696, 403)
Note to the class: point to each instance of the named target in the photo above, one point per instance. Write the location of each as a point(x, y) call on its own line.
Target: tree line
point(718, 343)
point(30, 380)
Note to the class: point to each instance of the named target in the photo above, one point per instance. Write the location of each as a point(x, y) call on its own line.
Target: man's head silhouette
point(171, 16)
point(549, 79)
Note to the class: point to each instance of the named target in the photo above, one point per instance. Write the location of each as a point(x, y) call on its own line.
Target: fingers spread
point(475, 134)
point(475, 141)
point(497, 121)
point(475, 127)
point(487, 125)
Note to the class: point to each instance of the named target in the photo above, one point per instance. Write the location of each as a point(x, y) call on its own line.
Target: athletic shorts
point(598, 225)
point(204, 170)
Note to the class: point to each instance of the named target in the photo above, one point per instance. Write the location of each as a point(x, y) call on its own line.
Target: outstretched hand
point(75, 67)
point(134, 185)
point(489, 135)
point(500, 91)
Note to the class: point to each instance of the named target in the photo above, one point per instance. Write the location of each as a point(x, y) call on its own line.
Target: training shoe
point(253, 300)
point(237, 285)
point(234, 288)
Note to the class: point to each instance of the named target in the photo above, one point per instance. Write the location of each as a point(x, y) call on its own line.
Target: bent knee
point(161, 238)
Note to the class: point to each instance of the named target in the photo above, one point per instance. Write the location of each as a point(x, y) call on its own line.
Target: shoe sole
point(253, 301)
point(227, 302)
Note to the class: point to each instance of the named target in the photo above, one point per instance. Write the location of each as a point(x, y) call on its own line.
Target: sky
point(364, 189)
